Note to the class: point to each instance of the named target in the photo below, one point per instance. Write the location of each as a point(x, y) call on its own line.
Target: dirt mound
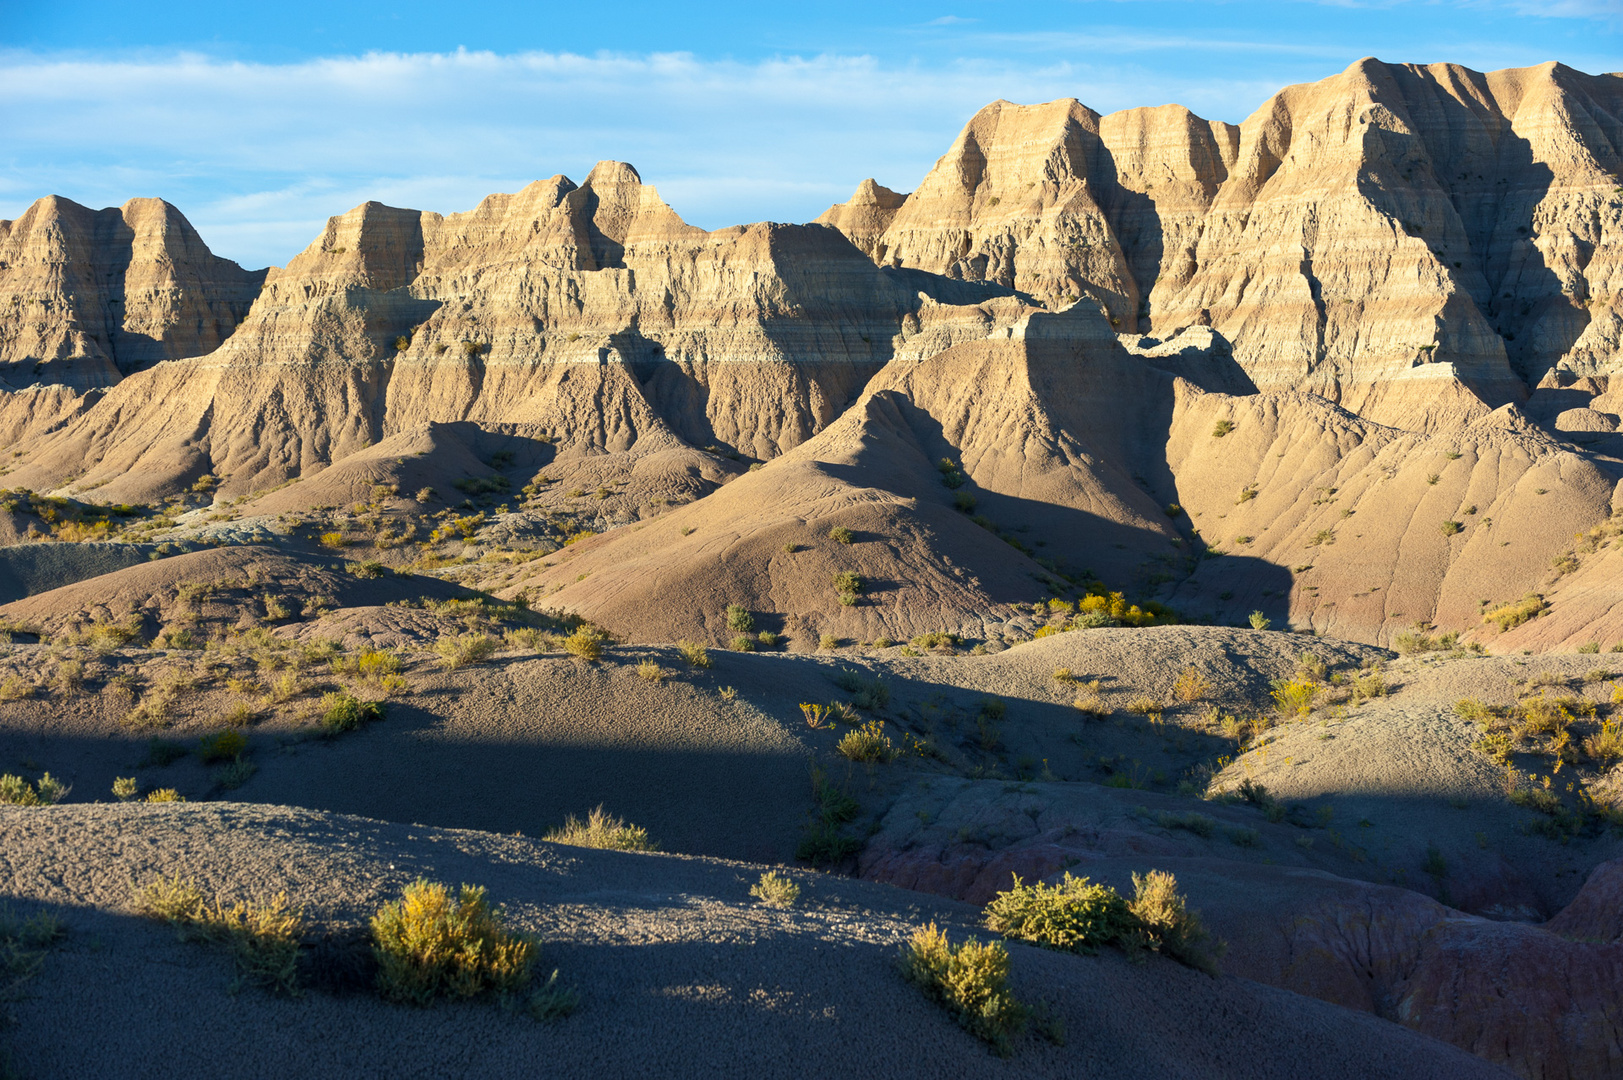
point(640, 937)
point(1361, 531)
point(27, 569)
point(218, 589)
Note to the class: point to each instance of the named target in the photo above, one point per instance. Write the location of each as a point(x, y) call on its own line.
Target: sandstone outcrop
point(1387, 218)
point(91, 295)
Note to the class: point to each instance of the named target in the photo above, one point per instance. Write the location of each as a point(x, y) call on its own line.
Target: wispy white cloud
point(951, 20)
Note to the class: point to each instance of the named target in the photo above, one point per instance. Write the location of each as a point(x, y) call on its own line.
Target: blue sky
point(260, 120)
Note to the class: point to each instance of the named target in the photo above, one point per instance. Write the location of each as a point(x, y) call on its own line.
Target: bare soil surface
point(679, 972)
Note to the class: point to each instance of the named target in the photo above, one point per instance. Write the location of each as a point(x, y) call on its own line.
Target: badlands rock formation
point(1390, 217)
point(1410, 263)
point(91, 295)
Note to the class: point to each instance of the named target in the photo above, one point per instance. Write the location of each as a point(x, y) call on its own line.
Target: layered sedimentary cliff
point(87, 296)
point(1389, 217)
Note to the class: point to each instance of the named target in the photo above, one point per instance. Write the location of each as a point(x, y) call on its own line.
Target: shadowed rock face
point(92, 295)
point(1351, 229)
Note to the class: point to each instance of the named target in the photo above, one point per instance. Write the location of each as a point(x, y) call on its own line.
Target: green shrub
point(162, 795)
point(342, 712)
point(867, 743)
point(694, 653)
point(1451, 528)
point(743, 643)
point(586, 642)
point(1222, 428)
point(1510, 616)
point(936, 639)
point(1259, 621)
point(828, 642)
point(969, 980)
point(17, 791)
point(234, 774)
point(262, 936)
point(1172, 928)
point(1073, 916)
point(460, 650)
point(776, 890)
point(739, 619)
point(125, 788)
point(602, 830)
point(222, 746)
point(1076, 916)
point(650, 671)
point(869, 694)
point(841, 535)
point(1294, 697)
point(429, 945)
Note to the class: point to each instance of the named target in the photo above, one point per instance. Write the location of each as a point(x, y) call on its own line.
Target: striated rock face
point(865, 217)
point(590, 316)
point(90, 295)
point(1390, 217)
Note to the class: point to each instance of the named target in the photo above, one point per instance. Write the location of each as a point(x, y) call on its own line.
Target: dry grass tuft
point(602, 830)
point(694, 653)
point(460, 650)
point(262, 936)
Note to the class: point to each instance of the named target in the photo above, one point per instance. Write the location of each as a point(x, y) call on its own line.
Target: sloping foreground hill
point(1087, 460)
point(680, 973)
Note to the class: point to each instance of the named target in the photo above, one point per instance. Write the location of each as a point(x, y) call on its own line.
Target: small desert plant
point(1510, 616)
point(1294, 697)
point(649, 671)
point(235, 773)
point(827, 642)
point(1192, 686)
point(373, 664)
point(970, 980)
point(767, 639)
point(16, 688)
point(162, 795)
point(841, 535)
point(601, 830)
point(1077, 916)
point(222, 746)
point(739, 619)
point(867, 743)
point(1606, 745)
point(694, 653)
point(126, 788)
point(70, 678)
point(1222, 428)
point(1073, 915)
point(460, 650)
point(936, 639)
point(429, 945)
point(586, 642)
point(865, 693)
point(1172, 929)
point(743, 643)
point(1259, 621)
point(425, 495)
point(776, 890)
point(332, 540)
point(342, 712)
point(263, 936)
point(17, 791)
point(1450, 528)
